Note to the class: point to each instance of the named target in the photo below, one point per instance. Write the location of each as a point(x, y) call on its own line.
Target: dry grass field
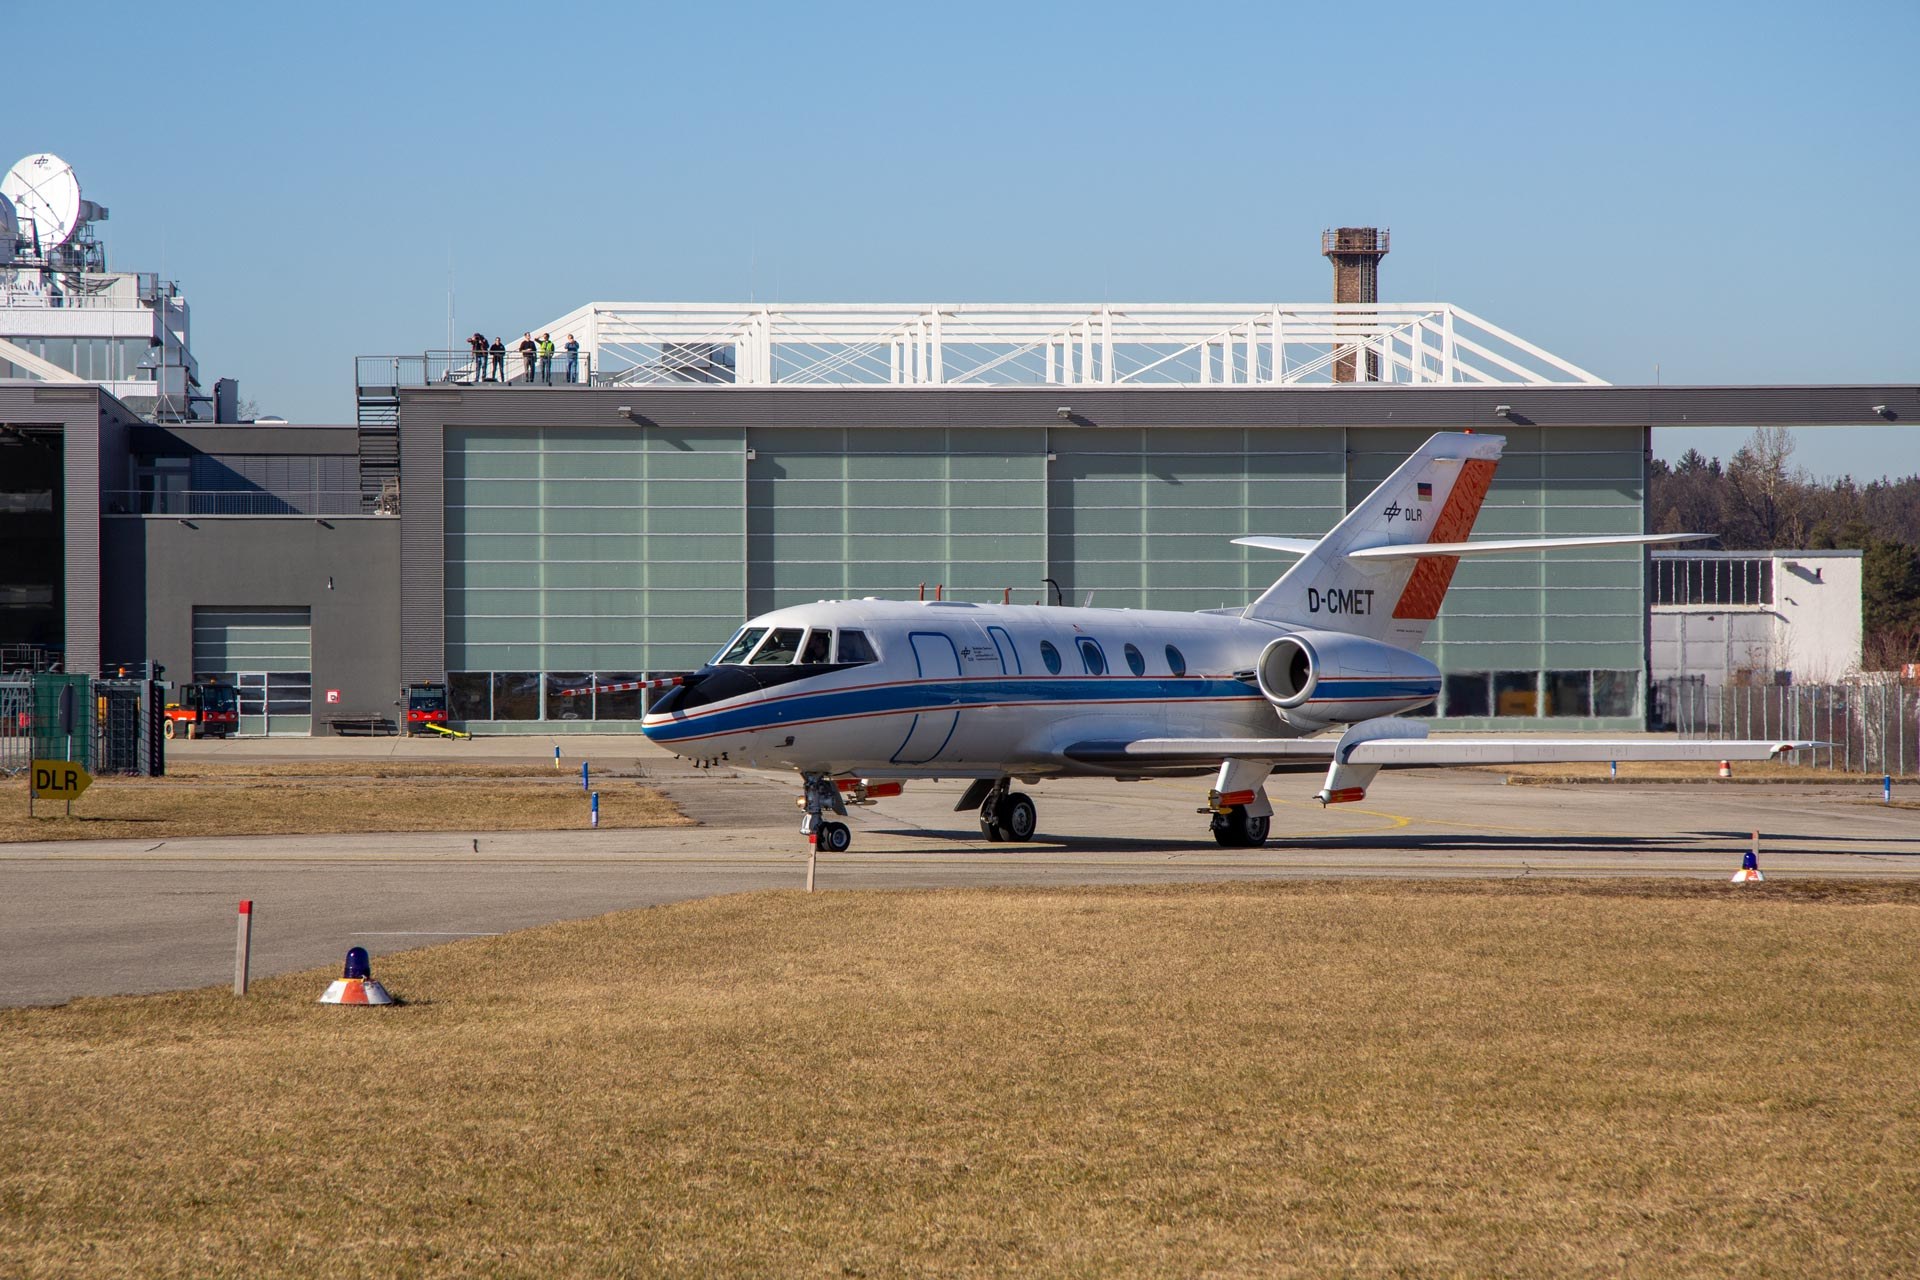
point(1506, 1078)
point(332, 796)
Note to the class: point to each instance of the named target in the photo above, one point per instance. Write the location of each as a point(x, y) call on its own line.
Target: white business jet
point(857, 696)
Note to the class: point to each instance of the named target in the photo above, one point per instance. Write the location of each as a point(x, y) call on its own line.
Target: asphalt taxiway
point(107, 917)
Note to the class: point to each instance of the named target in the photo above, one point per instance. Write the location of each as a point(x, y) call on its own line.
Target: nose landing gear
point(821, 796)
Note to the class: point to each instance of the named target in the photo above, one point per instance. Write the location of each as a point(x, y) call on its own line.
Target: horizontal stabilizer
point(1415, 550)
point(1292, 546)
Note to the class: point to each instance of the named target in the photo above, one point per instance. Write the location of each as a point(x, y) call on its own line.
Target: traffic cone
point(356, 985)
point(1726, 768)
point(1749, 863)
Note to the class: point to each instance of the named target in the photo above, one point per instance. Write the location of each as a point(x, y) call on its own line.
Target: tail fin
point(1433, 496)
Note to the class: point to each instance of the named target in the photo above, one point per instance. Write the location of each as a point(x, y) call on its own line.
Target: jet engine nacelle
point(1318, 678)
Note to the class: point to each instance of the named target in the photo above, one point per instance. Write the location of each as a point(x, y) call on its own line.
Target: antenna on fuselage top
point(1058, 598)
point(1088, 602)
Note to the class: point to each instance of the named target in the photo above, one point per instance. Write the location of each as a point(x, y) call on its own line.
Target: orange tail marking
point(1433, 575)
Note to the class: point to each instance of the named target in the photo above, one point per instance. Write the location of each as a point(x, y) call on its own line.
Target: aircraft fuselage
point(958, 690)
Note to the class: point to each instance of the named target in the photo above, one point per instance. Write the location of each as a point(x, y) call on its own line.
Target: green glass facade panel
point(590, 549)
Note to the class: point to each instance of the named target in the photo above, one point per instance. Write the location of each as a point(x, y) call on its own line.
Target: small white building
point(65, 318)
point(1777, 616)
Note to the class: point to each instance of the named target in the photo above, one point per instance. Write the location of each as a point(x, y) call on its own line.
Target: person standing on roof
point(528, 350)
point(573, 359)
point(499, 353)
point(478, 345)
point(546, 358)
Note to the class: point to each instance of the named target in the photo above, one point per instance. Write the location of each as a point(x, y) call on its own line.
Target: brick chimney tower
point(1356, 254)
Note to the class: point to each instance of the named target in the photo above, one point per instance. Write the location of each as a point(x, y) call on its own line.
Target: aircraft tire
point(1235, 830)
point(835, 837)
point(1016, 818)
point(989, 827)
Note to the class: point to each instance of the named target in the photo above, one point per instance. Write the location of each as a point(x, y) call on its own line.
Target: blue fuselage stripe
point(953, 695)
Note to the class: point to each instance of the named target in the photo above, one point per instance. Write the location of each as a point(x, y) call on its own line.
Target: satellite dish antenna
point(46, 194)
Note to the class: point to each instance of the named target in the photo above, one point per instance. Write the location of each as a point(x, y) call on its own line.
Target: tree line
point(1759, 501)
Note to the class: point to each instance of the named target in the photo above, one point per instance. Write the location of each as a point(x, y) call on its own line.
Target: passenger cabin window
point(742, 646)
point(1094, 660)
point(855, 649)
point(1176, 661)
point(781, 646)
point(819, 648)
point(1050, 656)
point(1135, 663)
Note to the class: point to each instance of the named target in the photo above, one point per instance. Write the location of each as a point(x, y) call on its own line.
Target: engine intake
point(1317, 678)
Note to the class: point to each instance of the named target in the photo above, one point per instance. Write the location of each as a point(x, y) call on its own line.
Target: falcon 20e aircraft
point(858, 695)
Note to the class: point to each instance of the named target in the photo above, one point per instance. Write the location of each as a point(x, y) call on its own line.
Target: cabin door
point(938, 662)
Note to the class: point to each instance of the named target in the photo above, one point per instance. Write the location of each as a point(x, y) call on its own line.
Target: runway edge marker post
point(243, 948)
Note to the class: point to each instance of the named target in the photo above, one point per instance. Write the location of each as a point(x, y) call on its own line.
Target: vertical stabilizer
point(1434, 496)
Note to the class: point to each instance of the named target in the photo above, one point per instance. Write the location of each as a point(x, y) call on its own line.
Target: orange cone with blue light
point(1750, 864)
point(356, 985)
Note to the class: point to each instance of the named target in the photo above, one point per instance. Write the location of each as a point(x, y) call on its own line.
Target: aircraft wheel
point(835, 837)
point(1235, 830)
point(1016, 819)
point(168, 730)
point(989, 827)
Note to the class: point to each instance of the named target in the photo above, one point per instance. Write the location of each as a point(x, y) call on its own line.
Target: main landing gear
point(1236, 829)
point(1005, 816)
point(1242, 814)
point(820, 797)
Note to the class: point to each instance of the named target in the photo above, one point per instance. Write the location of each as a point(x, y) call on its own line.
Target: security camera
point(1885, 411)
point(1064, 412)
point(1503, 411)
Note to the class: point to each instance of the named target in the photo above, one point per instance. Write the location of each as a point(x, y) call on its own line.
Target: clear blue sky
point(1725, 190)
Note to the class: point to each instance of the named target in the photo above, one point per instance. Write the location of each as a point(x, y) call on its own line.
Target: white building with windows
point(65, 318)
point(1760, 617)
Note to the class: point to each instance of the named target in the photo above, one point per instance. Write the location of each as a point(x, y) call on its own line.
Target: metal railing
point(1874, 728)
point(233, 502)
point(459, 368)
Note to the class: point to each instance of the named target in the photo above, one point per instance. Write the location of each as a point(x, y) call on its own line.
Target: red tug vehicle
point(205, 710)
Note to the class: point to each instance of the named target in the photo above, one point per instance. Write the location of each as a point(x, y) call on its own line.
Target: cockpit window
point(742, 646)
point(854, 648)
point(819, 647)
point(782, 643)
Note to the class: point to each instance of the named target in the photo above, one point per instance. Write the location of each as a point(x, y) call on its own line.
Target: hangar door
point(267, 653)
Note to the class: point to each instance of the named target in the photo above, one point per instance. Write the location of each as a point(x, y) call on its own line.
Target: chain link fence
point(1874, 728)
point(105, 726)
point(16, 724)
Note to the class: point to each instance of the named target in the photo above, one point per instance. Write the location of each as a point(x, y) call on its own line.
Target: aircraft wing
point(1420, 753)
point(1284, 754)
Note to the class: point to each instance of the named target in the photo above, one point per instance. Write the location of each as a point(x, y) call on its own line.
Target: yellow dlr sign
point(59, 780)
